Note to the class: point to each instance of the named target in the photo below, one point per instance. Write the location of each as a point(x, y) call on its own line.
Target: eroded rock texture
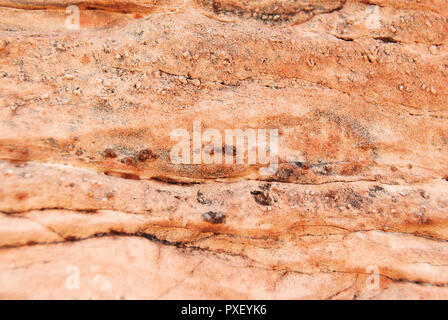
point(357, 90)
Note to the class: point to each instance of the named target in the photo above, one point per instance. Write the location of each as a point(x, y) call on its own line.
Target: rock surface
point(357, 90)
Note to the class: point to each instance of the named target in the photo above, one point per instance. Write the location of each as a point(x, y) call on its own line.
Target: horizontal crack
point(184, 245)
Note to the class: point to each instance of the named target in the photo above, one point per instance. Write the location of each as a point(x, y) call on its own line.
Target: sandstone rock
point(356, 209)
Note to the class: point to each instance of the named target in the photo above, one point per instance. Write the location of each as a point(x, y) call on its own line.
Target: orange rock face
point(119, 179)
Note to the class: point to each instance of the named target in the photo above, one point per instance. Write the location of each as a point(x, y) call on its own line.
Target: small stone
point(69, 76)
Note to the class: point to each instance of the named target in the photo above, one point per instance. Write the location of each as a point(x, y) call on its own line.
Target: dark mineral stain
point(215, 217)
point(265, 186)
point(373, 190)
point(130, 176)
point(331, 194)
point(172, 181)
point(355, 199)
point(229, 150)
point(298, 164)
point(109, 153)
point(130, 161)
point(302, 165)
point(145, 154)
point(283, 174)
point(201, 198)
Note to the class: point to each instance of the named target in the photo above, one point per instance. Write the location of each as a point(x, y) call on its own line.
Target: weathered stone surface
point(356, 89)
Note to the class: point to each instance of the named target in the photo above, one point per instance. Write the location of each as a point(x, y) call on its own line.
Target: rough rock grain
point(357, 90)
